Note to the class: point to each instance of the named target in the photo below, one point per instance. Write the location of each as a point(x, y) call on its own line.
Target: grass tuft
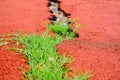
point(43, 59)
point(44, 62)
point(62, 30)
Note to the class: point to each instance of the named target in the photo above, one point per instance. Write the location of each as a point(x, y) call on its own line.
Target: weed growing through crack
point(44, 61)
point(62, 30)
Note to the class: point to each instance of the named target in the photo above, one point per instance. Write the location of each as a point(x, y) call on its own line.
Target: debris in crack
point(58, 14)
point(60, 18)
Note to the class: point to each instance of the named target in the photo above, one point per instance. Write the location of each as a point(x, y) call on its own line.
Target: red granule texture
point(98, 47)
point(28, 16)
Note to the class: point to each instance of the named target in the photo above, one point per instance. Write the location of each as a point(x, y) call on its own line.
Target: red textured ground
point(97, 49)
point(15, 15)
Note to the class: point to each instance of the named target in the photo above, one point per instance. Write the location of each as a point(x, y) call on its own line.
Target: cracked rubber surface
point(98, 47)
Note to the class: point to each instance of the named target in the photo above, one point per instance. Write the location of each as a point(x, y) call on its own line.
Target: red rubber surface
point(97, 49)
point(27, 16)
point(23, 15)
point(9, 65)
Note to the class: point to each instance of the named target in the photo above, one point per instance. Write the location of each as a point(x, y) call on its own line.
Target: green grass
point(44, 61)
point(45, 64)
point(62, 30)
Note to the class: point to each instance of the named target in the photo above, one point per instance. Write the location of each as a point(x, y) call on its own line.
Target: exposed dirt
point(97, 49)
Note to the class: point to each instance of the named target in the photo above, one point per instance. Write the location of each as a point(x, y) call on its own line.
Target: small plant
point(42, 57)
point(44, 62)
point(62, 30)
